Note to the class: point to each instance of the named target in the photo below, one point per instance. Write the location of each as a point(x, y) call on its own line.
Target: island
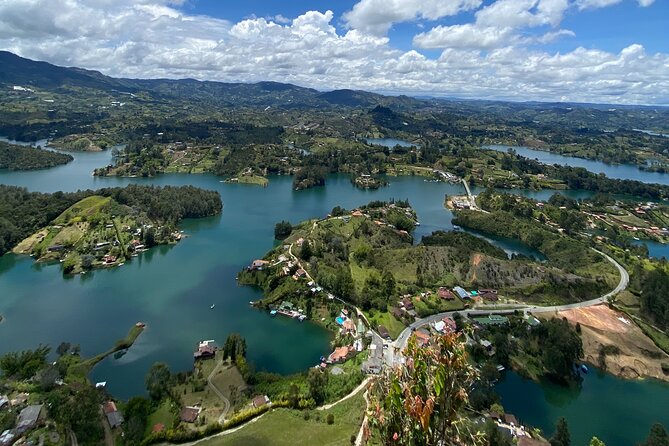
point(105, 227)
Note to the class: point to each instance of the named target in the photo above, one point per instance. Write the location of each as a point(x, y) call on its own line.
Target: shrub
point(330, 418)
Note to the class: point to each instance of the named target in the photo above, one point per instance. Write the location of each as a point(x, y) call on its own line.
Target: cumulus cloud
point(152, 39)
point(595, 4)
point(377, 16)
point(498, 25)
point(465, 36)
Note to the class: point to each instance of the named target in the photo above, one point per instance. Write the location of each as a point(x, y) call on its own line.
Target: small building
point(28, 418)
point(451, 326)
point(487, 295)
point(348, 327)
point(157, 428)
point(189, 414)
point(114, 417)
point(55, 248)
point(258, 265)
point(397, 313)
point(445, 293)
point(532, 321)
point(407, 303)
point(260, 401)
point(461, 292)
point(487, 346)
point(493, 319)
point(339, 354)
point(423, 337)
point(383, 332)
point(205, 350)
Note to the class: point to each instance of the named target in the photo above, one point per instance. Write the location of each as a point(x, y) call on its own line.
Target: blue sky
point(612, 51)
point(612, 28)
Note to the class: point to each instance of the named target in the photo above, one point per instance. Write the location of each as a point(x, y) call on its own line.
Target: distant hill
point(16, 70)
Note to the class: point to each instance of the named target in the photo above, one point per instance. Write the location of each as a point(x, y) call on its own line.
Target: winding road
point(402, 339)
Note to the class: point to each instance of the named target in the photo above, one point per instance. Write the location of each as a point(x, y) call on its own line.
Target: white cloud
point(464, 36)
point(377, 16)
point(153, 39)
point(595, 4)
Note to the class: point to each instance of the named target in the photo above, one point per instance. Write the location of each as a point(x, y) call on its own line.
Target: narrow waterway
point(617, 171)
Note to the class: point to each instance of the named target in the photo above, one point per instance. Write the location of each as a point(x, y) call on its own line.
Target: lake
point(619, 412)
point(655, 249)
point(617, 171)
point(172, 288)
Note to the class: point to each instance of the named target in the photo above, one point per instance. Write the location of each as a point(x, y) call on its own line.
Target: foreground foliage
point(421, 403)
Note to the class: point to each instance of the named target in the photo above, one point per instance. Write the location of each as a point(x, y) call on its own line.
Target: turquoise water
point(655, 249)
point(617, 171)
point(172, 290)
point(619, 412)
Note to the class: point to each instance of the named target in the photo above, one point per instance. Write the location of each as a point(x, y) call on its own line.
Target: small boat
point(584, 368)
point(212, 306)
point(272, 313)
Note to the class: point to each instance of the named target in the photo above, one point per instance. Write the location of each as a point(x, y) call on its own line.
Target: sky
point(602, 51)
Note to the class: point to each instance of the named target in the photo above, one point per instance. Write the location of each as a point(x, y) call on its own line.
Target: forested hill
point(15, 70)
point(14, 157)
point(22, 212)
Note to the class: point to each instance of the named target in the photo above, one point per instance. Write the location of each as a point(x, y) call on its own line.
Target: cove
point(617, 171)
point(619, 412)
point(655, 249)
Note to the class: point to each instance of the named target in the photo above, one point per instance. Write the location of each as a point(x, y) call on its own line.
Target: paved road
point(401, 341)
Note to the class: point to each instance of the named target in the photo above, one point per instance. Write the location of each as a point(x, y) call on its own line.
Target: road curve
point(402, 339)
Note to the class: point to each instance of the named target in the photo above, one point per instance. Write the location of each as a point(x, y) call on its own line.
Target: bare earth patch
point(601, 326)
point(26, 246)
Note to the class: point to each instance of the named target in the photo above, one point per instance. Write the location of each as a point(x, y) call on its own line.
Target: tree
point(158, 380)
point(561, 436)
point(317, 381)
point(657, 437)
point(136, 415)
point(418, 403)
point(282, 230)
point(234, 347)
point(305, 251)
point(63, 348)
point(338, 211)
point(596, 442)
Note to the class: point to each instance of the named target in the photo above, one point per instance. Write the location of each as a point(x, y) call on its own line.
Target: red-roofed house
point(339, 354)
point(445, 293)
point(422, 337)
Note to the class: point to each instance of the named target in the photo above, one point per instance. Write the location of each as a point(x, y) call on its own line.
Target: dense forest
point(22, 212)
point(15, 157)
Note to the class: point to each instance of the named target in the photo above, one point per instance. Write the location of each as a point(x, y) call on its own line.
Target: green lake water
point(172, 289)
point(619, 412)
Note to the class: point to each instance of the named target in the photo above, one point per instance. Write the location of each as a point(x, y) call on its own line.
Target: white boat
point(212, 306)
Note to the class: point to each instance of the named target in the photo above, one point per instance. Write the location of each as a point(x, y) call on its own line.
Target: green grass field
point(386, 319)
point(163, 414)
point(289, 427)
